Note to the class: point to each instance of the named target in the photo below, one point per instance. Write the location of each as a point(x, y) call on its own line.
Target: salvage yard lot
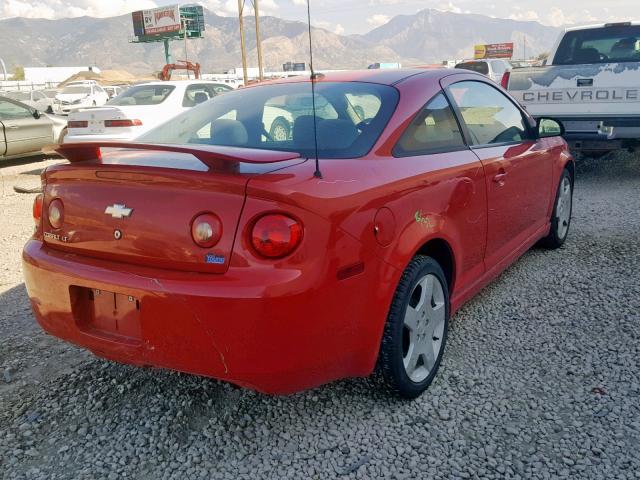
point(540, 379)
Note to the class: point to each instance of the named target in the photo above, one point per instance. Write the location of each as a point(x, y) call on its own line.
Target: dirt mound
point(106, 77)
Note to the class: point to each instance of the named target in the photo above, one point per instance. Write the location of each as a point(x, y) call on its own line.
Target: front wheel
point(561, 216)
point(416, 330)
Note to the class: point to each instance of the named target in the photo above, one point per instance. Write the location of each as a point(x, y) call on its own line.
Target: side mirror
point(548, 127)
point(36, 114)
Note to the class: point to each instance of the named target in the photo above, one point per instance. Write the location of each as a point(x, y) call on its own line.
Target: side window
point(205, 133)
point(196, 94)
point(365, 106)
point(12, 111)
point(434, 129)
point(38, 96)
point(288, 118)
point(490, 117)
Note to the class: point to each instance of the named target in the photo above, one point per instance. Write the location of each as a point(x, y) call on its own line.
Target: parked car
point(113, 90)
point(34, 98)
point(209, 247)
point(24, 130)
point(79, 95)
point(591, 83)
point(139, 109)
point(493, 68)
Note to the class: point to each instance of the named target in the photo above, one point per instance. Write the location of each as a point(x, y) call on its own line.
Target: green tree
point(18, 73)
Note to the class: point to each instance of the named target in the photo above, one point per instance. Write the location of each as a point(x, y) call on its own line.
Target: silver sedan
point(25, 130)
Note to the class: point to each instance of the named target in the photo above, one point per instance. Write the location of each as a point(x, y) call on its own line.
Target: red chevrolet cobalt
point(279, 240)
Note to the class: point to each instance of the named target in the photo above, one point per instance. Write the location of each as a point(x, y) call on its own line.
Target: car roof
point(389, 76)
point(176, 82)
point(601, 25)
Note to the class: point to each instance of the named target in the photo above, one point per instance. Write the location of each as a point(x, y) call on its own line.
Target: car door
point(518, 168)
point(23, 132)
point(448, 184)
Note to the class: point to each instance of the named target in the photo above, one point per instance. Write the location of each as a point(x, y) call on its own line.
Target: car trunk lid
point(136, 205)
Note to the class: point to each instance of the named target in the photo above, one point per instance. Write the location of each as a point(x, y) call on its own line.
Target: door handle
point(12, 127)
point(499, 178)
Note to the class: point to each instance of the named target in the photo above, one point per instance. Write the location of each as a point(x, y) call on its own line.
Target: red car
point(210, 247)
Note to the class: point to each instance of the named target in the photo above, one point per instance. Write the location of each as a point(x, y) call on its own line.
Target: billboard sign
point(494, 50)
point(157, 21)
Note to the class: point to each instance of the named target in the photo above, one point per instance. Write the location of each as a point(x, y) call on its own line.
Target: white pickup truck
point(591, 83)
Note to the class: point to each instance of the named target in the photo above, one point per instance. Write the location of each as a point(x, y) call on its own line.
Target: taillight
point(77, 124)
point(275, 235)
point(505, 79)
point(56, 213)
point(206, 230)
point(123, 123)
point(37, 208)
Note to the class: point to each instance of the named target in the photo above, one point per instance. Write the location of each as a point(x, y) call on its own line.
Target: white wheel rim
point(563, 207)
point(423, 329)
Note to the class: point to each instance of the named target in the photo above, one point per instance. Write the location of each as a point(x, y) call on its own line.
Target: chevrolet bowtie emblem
point(118, 211)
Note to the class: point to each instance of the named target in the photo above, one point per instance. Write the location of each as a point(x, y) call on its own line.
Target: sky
point(352, 16)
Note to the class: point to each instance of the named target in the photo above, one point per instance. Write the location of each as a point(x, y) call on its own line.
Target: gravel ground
point(540, 380)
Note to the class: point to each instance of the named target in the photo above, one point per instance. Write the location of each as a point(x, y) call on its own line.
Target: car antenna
point(313, 79)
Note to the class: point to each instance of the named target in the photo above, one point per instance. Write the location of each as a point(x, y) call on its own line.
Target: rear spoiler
point(211, 155)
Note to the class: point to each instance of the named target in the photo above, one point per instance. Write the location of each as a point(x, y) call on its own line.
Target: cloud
point(526, 15)
point(337, 28)
point(300, 3)
point(449, 7)
point(71, 8)
point(377, 20)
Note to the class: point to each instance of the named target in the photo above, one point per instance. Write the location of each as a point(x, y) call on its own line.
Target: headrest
point(336, 134)
point(302, 132)
point(228, 132)
point(200, 97)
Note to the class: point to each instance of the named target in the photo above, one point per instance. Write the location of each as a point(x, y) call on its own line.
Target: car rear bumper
point(74, 138)
point(272, 333)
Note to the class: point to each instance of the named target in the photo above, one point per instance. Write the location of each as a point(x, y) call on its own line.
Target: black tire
point(280, 126)
point(390, 366)
point(558, 235)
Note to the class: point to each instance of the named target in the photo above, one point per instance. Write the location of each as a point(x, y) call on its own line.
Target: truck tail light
point(126, 122)
point(56, 213)
point(505, 79)
point(77, 124)
point(206, 230)
point(37, 208)
point(275, 235)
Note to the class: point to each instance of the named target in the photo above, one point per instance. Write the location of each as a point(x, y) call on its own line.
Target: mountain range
point(429, 36)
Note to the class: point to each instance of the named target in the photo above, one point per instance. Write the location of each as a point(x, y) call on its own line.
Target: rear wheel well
point(441, 252)
point(571, 169)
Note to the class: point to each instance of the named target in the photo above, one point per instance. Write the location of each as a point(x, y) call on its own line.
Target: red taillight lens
point(123, 123)
point(505, 79)
point(206, 230)
point(77, 124)
point(37, 208)
point(56, 213)
point(276, 235)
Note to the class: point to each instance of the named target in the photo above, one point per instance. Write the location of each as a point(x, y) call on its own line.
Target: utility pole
point(524, 46)
point(258, 42)
point(186, 58)
point(243, 49)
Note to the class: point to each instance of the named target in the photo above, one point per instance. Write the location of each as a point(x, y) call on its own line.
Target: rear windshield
point(143, 95)
point(480, 67)
point(616, 44)
point(349, 118)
